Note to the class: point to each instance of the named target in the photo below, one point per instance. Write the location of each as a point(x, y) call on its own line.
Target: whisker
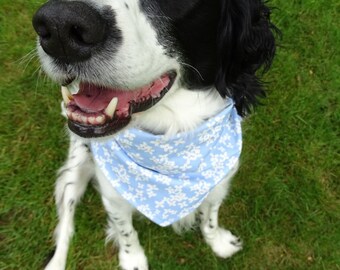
point(161, 17)
point(39, 77)
point(27, 59)
point(193, 68)
point(26, 56)
point(161, 80)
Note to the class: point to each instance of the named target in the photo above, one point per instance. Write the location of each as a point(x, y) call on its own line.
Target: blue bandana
point(168, 178)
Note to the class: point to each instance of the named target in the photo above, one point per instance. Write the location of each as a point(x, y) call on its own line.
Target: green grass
point(284, 201)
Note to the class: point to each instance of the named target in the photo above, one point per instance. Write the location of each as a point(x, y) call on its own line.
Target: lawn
point(284, 201)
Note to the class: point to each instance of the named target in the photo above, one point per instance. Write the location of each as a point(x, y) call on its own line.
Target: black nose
point(70, 31)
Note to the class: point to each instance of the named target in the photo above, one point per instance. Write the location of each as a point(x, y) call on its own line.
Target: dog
point(154, 92)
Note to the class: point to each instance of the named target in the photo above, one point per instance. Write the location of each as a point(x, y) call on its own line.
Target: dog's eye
point(177, 9)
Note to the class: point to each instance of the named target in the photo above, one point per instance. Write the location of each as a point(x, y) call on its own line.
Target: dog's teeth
point(100, 119)
point(92, 120)
point(84, 119)
point(74, 116)
point(67, 97)
point(111, 108)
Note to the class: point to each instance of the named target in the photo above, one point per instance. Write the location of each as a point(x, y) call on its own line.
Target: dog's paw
point(55, 264)
point(133, 260)
point(224, 243)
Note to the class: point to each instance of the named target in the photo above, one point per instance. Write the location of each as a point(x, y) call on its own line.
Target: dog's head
point(121, 57)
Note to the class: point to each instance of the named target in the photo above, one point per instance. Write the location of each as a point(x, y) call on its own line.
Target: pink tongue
point(91, 98)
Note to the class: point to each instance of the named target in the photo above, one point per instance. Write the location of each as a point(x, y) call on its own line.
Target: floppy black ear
point(246, 43)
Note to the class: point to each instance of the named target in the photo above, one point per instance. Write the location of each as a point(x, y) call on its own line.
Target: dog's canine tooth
point(67, 97)
point(111, 108)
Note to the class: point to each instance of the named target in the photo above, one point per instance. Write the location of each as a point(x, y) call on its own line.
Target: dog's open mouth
point(97, 111)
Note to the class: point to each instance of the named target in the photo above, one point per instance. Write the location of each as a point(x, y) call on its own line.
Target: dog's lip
point(106, 111)
point(67, 81)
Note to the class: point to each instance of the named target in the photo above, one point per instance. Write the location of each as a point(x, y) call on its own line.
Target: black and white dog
point(153, 91)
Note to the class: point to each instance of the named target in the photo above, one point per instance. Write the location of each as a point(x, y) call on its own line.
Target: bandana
point(168, 178)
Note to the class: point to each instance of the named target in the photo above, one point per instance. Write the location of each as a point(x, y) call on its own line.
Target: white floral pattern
point(168, 178)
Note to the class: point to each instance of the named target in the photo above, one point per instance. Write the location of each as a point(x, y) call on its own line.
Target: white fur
point(181, 110)
point(140, 60)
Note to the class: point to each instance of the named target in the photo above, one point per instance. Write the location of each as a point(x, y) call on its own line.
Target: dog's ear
point(246, 43)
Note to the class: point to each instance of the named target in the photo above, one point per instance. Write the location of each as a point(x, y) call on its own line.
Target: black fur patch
point(222, 43)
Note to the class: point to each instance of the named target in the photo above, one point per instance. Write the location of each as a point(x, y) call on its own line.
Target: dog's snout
point(70, 31)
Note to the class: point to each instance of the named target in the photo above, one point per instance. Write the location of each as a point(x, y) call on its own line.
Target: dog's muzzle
point(74, 32)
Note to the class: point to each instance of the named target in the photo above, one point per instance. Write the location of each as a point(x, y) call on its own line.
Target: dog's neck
point(182, 110)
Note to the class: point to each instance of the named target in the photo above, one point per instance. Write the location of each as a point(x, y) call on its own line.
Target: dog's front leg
point(223, 242)
point(71, 184)
point(131, 254)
